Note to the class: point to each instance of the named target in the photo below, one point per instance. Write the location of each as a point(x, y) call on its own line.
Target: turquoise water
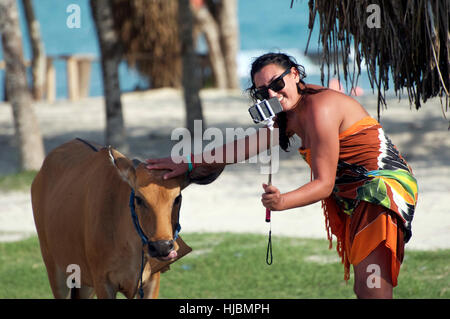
point(265, 25)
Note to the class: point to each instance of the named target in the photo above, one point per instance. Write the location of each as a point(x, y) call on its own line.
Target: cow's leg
point(104, 290)
point(57, 279)
point(85, 292)
point(56, 276)
point(151, 286)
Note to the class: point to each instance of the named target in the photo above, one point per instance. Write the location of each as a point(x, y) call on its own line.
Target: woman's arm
point(242, 149)
point(323, 133)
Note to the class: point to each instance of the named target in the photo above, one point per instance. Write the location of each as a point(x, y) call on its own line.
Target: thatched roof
point(411, 43)
point(148, 32)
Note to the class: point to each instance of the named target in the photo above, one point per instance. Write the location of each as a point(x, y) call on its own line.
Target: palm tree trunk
point(38, 63)
point(191, 79)
point(229, 28)
point(27, 132)
point(210, 28)
point(110, 59)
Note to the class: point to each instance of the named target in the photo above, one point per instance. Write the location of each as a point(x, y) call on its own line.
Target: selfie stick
point(269, 258)
point(264, 112)
point(270, 126)
point(269, 123)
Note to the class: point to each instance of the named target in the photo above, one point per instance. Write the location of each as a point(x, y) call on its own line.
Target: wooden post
point(84, 76)
point(50, 81)
point(72, 78)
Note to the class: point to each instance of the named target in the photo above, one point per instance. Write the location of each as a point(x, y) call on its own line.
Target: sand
point(232, 202)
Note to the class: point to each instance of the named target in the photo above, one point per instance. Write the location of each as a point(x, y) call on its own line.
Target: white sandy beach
point(232, 202)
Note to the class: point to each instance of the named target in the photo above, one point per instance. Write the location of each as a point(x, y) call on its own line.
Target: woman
point(366, 187)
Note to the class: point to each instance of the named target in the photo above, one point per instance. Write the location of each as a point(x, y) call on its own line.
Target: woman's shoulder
point(335, 106)
point(321, 94)
point(329, 99)
point(322, 101)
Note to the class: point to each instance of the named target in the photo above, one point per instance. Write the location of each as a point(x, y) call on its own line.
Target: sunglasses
point(276, 85)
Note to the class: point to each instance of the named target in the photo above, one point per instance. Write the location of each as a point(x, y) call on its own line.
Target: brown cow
point(80, 199)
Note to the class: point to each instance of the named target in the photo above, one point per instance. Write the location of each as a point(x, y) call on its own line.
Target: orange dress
point(374, 196)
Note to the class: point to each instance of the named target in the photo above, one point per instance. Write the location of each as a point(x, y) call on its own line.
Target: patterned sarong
point(369, 169)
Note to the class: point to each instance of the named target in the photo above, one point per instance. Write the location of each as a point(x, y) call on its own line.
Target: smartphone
point(265, 110)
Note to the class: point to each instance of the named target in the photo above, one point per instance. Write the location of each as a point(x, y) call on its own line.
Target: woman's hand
point(168, 164)
point(272, 199)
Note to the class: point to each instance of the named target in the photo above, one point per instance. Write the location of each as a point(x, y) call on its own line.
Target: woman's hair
point(286, 62)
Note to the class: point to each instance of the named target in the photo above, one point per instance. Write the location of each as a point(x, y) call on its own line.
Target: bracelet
point(190, 162)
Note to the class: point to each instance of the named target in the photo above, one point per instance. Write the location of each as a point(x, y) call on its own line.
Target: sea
point(264, 25)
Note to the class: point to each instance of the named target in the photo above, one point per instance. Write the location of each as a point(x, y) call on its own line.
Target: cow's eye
point(139, 201)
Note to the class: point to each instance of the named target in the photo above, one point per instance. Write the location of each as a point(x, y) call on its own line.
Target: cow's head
point(157, 201)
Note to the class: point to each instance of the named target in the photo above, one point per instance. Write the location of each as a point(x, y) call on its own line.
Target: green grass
point(224, 265)
point(17, 182)
point(22, 271)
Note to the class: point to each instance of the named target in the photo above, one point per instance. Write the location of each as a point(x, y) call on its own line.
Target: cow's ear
point(124, 166)
point(204, 175)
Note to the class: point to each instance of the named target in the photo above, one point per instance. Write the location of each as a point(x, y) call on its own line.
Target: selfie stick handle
point(270, 125)
point(267, 215)
point(269, 256)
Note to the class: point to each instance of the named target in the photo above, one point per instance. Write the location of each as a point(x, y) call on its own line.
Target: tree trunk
point(27, 132)
point(110, 59)
point(229, 31)
point(191, 79)
point(38, 62)
point(209, 27)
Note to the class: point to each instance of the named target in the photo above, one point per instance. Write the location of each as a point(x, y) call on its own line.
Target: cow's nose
point(160, 248)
